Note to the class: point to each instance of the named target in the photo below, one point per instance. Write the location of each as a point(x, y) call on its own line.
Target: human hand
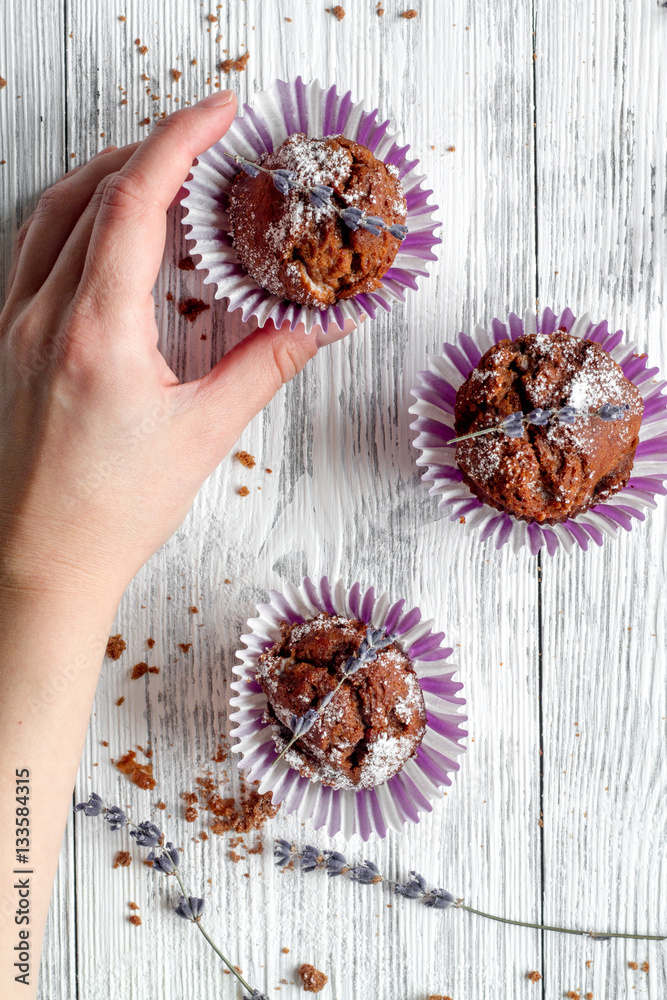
point(102, 449)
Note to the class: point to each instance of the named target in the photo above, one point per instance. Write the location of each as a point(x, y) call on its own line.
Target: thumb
point(219, 405)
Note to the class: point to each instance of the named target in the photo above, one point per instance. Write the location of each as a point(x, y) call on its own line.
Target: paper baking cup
point(434, 427)
point(422, 778)
point(318, 111)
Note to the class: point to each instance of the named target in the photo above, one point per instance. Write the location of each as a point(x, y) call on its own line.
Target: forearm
point(51, 649)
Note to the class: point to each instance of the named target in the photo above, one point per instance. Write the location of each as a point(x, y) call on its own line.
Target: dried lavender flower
point(610, 411)
point(566, 415)
point(414, 888)
point(146, 834)
point(335, 863)
point(439, 899)
point(165, 861)
point(539, 417)
point(367, 873)
point(311, 859)
point(190, 907)
point(115, 817)
point(320, 196)
point(283, 180)
point(301, 724)
point(282, 852)
point(247, 167)
point(512, 426)
point(93, 807)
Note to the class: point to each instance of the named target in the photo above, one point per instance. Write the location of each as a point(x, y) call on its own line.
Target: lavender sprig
point(367, 873)
point(375, 640)
point(320, 196)
point(164, 858)
point(513, 425)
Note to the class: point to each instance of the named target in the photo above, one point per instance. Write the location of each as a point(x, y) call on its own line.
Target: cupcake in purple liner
point(545, 431)
point(309, 211)
point(346, 708)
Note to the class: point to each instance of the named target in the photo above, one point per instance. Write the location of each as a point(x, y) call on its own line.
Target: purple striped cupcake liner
point(434, 428)
point(282, 110)
point(421, 780)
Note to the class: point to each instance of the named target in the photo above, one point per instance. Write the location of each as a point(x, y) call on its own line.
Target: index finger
point(127, 241)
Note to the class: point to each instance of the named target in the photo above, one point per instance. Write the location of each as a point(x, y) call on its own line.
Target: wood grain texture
point(527, 192)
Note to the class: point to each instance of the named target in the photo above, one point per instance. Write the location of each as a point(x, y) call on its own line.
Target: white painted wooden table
point(556, 191)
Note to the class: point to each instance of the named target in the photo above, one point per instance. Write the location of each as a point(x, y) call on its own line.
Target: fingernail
point(216, 100)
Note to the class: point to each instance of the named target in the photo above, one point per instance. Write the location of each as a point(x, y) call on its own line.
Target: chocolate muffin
point(307, 254)
point(375, 721)
point(557, 470)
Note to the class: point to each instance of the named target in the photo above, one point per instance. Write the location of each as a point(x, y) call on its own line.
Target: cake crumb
point(150, 643)
point(212, 18)
point(409, 14)
point(533, 976)
point(186, 264)
point(169, 297)
point(105, 743)
point(121, 17)
point(3, 82)
point(145, 121)
point(313, 980)
point(588, 996)
point(153, 670)
point(645, 966)
point(193, 609)
point(573, 995)
point(337, 12)
point(138, 670)
point(245, 459)
point(633, 965)
point(122, 860)
point(285, 951)
point(451, 149)
point(115, 646)
point(227, 580)
point(243, 491)
point(176, 75)
point(227, 65)
point(120, 701)
point(191, 814)
point(192, 308)
point(140, 775)
point(379, 10)
point(134, 919)
point(133, 906)
point(160, 805)
point(185, 646)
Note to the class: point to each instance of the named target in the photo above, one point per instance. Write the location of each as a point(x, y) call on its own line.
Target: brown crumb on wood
point(105, 743)
point(122, 860)
point(313, 980)
point(227, 580)
point(145, 121)
point(176, 75)
point(379, 10)
point(289, 19)
point(451, 149)
point(169, 297)
point(140, 775)
point(121, 17)
point(439, 998)
point(3, 82)
point(115, 646)
point(243, 491)
point(186, 264)
point(185, 646)
point(250, 814)
point(143, 49)
point(160, 805)
point(573, 995)
point(191, 308)
point(633, 965)
point(533, 976)
point(409, 14)
point(285, 951)
point(337, 12)
point(120, 701)
point(133, 906)
point(220, 755)
point(227, 65)
point(153, 670)
point(588, 996)
point(138, 670)
point(193, 609)
point(134, 919)
point(645, 966)
point(150, 643)
point(191, 814)
point(245, 459)
point(212, 18)
point(190, 798)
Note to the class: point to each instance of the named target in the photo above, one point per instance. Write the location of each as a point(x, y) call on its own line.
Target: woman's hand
point(102, 450)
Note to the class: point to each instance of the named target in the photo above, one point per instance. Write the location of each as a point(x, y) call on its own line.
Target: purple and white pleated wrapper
point(422, 778)
point(434, 428)
point(317, 111)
